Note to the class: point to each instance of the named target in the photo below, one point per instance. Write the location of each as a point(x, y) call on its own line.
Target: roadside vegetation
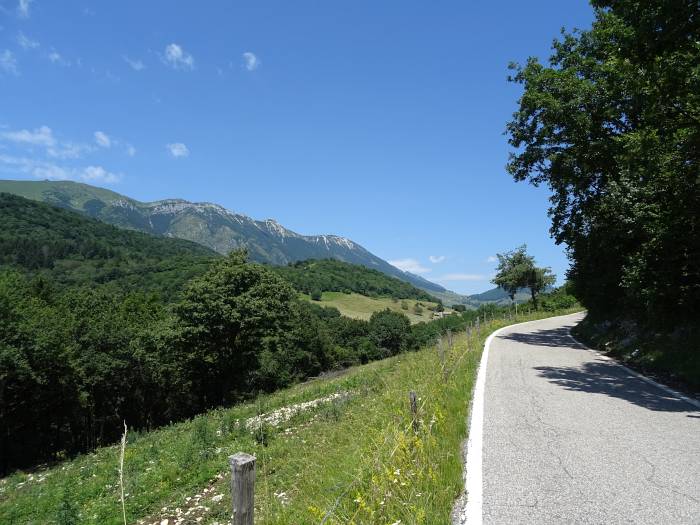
point(671, 358)
point(352, 457)
point(610, 125)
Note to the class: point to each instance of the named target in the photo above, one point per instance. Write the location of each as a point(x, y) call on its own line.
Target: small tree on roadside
point(538, 280)
point(511, 273)
point(516, 269)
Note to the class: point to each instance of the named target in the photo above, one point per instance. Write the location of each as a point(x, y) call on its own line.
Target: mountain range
point(222, 230)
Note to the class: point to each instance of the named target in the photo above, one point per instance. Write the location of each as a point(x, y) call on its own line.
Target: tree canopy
point(612, 126)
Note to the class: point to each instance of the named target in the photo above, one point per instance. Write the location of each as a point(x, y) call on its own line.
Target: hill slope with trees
point(101, 325)
point(70, 249)
point(330, 275)
point(207, 224)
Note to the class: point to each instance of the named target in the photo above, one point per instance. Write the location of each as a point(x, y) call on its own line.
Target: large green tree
point(612, 126)
point(232, 320)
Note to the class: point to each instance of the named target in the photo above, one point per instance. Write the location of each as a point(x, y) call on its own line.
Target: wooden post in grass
point(449, 339)
point(441, 351)
point(414, 409)
point(242, 487)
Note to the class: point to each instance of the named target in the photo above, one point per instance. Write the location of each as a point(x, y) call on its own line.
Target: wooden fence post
point(242, 487)
point(414, 409)
point(441, 351)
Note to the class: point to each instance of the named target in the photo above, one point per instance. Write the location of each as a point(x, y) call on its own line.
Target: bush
point(389, 330)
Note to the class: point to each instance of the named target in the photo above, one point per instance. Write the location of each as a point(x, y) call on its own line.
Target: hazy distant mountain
point(499, 296)
point(208, 224)
point(494, 295)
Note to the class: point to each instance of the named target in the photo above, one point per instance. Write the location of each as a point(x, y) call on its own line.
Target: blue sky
point(379, 121)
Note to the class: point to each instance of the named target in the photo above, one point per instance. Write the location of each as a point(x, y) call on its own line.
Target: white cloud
point(136, 65)
point(436, 259)
point(250, 61)
point(177, 58)
point(48, 170)
point(409, 265)
point(42, 136)
point(25, 42)
point(56, 58)
point(23, 8)
point(178, 149)
point(98, 174)
point(8, 63)
point(491, 259)
point(460, 277)
point(68, 150)
point(103, 139)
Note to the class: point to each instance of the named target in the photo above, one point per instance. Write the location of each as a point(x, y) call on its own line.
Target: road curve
point(569, 436)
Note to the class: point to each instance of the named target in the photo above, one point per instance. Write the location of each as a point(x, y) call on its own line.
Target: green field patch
point(362, 307)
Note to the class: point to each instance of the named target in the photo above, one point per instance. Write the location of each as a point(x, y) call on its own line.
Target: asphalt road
point(571, 437)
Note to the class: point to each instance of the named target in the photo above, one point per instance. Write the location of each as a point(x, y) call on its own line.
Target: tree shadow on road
point(598, 377)
point(558, 337)
point(605, 377)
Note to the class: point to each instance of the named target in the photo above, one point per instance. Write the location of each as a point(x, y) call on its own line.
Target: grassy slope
point(40, 191)
point(317, 465)
point(361, 307)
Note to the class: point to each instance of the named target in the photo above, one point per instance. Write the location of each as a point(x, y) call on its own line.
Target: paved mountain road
point(569, 436)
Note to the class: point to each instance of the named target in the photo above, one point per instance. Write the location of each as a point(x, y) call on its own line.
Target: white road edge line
point(472, 514)
point(644, 378)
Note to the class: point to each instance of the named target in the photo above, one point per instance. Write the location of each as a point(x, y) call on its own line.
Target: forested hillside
point(336, 276)
point(207, 224)
point(70, 249)
point(101, 325)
